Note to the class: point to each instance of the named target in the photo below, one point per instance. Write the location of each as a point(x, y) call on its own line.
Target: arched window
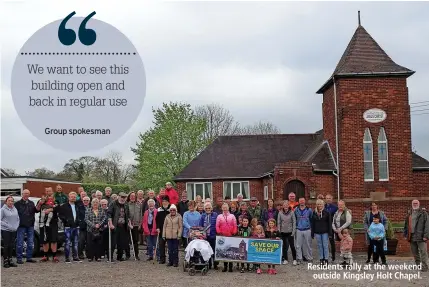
point(368, 164)
point(383, 165)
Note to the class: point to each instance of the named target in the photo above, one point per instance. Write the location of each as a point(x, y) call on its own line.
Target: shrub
point(116, 188)
point(390, 232)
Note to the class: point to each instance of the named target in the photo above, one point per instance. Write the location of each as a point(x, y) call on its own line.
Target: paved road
point(142, 273)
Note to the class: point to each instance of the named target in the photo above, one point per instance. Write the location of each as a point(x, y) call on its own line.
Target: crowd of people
point(97, 225)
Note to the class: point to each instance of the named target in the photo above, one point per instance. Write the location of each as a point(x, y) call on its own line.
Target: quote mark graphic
point(67, 36)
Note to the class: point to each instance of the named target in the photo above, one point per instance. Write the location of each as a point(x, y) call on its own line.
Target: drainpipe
point(272, 186)
point(336, 139)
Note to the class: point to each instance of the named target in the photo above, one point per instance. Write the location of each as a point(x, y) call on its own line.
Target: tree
point(112, 169)
point(165, 149)
point(10, 171)
point(259, 128)
point(42, 173)
point(220, 121)
point(80, 168)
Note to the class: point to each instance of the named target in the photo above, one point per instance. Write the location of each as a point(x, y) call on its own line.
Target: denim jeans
point(151, 243)
point(322, 245)
point(21, 232)
point(173, 251)
point(72, 237)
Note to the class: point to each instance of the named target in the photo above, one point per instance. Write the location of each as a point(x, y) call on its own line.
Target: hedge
point(116, 188)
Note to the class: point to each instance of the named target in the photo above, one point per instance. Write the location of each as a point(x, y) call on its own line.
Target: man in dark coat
point(416, 231)
point(118, 215)
point(163, 211)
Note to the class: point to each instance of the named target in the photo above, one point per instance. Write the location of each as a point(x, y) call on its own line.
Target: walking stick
point(110, 244)
point(132, 244)
point(156, 248)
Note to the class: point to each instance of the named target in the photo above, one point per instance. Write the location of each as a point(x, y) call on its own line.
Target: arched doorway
point(295, 186)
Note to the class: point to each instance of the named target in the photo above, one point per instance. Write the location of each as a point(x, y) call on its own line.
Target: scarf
point(208, 223)
point(150, 217)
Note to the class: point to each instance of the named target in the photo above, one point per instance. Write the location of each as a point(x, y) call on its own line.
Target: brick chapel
point(362, 154)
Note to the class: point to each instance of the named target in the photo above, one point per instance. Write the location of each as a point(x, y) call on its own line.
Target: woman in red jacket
point(149, 227)
point(226, 225)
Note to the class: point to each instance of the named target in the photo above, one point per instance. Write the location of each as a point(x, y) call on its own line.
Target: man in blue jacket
point(303, 232)
point(26, 211)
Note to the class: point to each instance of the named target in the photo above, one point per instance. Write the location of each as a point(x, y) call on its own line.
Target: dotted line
point(77, 53)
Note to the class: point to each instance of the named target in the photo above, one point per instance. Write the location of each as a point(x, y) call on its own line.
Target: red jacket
point(173, 196)
point(145, 224)
point(226, 225)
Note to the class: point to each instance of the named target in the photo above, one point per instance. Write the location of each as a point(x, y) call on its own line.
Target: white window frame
point(266, 192)
point(387, 154)
point(194, 195)
point(240, 182)
point(372, 156)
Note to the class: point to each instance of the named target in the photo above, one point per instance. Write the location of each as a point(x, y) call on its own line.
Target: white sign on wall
point(374, 116)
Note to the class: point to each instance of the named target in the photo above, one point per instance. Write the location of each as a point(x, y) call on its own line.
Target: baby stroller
point(198, 252)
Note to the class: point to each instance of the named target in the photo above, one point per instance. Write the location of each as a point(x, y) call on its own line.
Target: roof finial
point(359, 17)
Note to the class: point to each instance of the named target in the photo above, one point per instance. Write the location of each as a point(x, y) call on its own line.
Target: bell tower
point(366, 120)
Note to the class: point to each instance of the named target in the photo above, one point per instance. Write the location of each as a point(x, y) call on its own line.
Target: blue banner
point(248, 250)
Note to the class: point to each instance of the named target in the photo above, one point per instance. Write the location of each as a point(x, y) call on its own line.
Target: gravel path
point(142, 273)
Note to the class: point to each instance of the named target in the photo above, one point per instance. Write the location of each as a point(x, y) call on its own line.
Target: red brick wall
point(420, 183)
point(394, 210)
point(324, 184)
point(37, 188)
point(283, 173)
point(354, 97)
point(328, 113)
point(359, 244)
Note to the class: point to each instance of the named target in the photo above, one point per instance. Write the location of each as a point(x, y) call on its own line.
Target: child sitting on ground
point(272, 233)
point(244, 230)
point(258, 233)
point(346, 247)
point(49, 203)
point(376, 234)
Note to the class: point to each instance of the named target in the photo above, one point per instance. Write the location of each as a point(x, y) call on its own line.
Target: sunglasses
point(123, 197)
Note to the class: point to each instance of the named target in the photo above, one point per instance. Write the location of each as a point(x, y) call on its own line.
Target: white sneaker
point(294, 263)
point(285, 262)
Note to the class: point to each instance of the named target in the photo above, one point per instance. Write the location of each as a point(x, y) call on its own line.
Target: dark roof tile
point(420, 162)
point(249, 156)
point(363, 56)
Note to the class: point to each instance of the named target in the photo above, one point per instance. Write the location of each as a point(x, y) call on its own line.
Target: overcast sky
point(263, 61)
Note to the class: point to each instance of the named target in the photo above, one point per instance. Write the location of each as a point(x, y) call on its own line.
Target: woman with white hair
point(208, 221)
point(149, 227)
point(95, 219)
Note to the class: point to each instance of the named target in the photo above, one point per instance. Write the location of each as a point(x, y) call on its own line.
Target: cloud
point(262, 61)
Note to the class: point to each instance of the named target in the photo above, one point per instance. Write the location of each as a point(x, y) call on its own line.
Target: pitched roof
point(420, 162)
point(364, 57)
point(253, 156)
point(4, 173)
